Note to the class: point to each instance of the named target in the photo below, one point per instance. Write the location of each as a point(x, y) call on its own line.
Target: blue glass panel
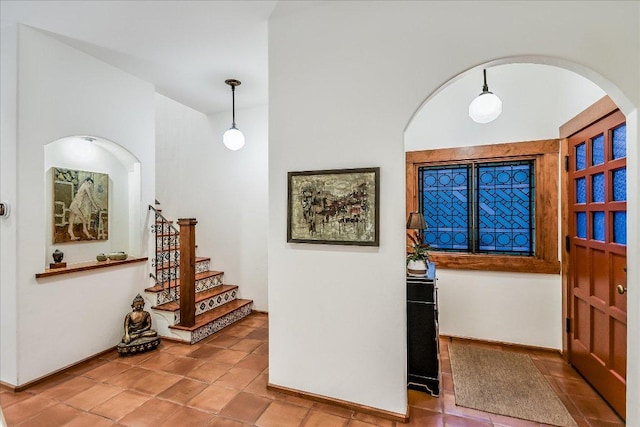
point(597, 150)
point(505, 207)
point(581, 190)
point(581, 225)
point(581, 157)
point(620, 227)
point(597, 188)
point(445, 203)
point(598, 226)
point(620, 142)
point(620, 185)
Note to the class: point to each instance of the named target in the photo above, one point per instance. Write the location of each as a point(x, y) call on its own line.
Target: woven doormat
point(505, 383)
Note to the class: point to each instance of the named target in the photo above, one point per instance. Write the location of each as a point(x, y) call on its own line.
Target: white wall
point(63, 92)
point(8, 193)
point(226, 191)
point(537, 100)
point(345, 79)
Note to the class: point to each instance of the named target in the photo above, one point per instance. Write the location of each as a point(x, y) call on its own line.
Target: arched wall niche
point(96, 154)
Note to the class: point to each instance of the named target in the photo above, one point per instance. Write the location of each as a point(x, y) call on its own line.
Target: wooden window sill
point(516, 264)
point(90, 265)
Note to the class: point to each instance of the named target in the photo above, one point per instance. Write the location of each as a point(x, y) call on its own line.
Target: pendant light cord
point(233, 103)
point(485, 87)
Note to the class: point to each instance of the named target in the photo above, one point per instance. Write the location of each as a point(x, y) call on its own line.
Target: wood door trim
point(599, 110)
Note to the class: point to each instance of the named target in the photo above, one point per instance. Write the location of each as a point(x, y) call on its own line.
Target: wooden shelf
point(84, 266)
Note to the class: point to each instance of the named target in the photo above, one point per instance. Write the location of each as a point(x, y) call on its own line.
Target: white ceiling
point(185, 48)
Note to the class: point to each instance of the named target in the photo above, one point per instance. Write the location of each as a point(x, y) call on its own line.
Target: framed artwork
point(336, 207)
point(80, 205)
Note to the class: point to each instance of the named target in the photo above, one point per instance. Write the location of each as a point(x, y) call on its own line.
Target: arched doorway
point(555, 285)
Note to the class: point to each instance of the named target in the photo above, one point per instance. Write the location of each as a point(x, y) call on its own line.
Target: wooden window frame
point(546, 157)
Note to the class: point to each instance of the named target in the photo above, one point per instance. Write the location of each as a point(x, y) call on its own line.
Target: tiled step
point(204, 281)
point(214, 320)
point(165, 257)
point(166, 272)
point(168, 240)
point(172, 248)
point(201, 297)
point(161, 227)
point(170, 265)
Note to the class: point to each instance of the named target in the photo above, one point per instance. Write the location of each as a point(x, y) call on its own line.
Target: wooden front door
point(597, 251)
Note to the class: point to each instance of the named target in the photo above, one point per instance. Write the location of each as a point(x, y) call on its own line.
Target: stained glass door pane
point(597, 150)
point(598, 226)
point(581, 190)
point(620, 228)
point(619, 145)
point(581, 157)
point(620, 185)
point(581, 225)
point(597, 188)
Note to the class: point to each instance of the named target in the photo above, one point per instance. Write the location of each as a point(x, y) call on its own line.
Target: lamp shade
point(485, 108)
point(416, 221)
point(233, 139)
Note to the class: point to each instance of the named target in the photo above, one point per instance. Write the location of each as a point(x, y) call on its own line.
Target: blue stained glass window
point(581, 190)
point(581, 157)
point(597, 150)
point(581, 225)
point(619, 142)
point(620, 185)
point(445, 204)
point(620, 227)
point(598, 226)
point(597, 188)
point(505, 195)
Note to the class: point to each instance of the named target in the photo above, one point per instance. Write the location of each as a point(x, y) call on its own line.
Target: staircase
point(216, 303)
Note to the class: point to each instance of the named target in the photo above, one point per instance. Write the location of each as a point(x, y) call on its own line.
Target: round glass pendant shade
point(485, 108)
point(233, 139)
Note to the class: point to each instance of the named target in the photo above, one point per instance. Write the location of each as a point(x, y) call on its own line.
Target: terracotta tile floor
point(221, 381)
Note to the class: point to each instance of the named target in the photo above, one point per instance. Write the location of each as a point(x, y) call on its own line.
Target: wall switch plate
point(4, 209)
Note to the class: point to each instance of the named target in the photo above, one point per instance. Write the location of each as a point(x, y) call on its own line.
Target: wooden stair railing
point(187, 271)
point(167, 237)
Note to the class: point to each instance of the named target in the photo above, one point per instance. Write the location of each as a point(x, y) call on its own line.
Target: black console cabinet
point(423, 362)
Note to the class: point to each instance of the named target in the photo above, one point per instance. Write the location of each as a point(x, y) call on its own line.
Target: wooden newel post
point(187, 271)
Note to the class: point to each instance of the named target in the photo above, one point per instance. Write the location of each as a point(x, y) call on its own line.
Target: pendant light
point(486, 107)
point(233, 139)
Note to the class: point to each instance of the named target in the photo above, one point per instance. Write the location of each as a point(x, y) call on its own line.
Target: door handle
point(621, 289)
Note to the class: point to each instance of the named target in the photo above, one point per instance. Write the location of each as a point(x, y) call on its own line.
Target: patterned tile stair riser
point(164, 241)
point(169, 273)
point(201, 285)
point(218, 324)
point(211, 303)
point(162, 228)
point(165, 258)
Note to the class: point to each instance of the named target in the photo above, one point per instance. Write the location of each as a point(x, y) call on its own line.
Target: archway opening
point(550, 92)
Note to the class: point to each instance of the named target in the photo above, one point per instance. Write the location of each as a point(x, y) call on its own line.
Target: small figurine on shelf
point(138, 335)
point(57, 258)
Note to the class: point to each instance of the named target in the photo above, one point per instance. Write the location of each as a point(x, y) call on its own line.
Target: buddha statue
point(138, 335)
